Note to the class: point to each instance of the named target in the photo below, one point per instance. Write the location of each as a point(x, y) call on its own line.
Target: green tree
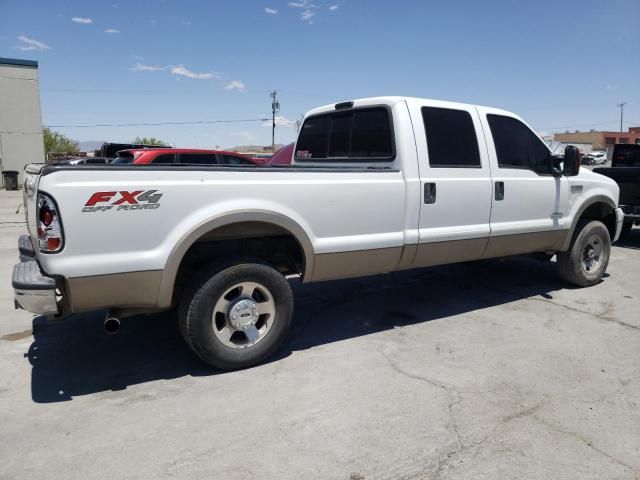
point(149, 141)
point(56, 142)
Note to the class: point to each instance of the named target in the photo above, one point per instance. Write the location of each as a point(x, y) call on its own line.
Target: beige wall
point(20, 117)
point(594, 138)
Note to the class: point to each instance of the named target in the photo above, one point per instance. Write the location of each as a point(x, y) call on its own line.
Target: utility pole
point(621, 105)
point(275, 107)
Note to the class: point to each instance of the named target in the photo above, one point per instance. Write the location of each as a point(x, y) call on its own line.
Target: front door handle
point(499, 190)
point(429, 193)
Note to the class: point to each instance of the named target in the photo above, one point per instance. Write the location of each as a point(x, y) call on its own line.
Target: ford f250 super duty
point(376, 185)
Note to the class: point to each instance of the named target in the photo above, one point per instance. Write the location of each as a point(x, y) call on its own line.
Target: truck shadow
point(631, 240)
point(75, 357)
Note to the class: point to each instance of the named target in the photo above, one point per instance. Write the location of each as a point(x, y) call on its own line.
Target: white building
point(20, 118)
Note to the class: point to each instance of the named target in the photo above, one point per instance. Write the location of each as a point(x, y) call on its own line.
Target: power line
point(578, 126)
point(621, 105)
point(275, 107)
point(194, 122)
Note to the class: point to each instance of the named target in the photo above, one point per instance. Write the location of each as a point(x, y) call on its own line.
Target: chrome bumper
point(32, 290)
point(619, 222)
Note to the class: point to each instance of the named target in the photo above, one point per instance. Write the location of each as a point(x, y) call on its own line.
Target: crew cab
point(625, 170)
point(376, 185)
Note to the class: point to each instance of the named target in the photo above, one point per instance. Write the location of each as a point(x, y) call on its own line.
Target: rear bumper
point(32, 290)
point(619, 222)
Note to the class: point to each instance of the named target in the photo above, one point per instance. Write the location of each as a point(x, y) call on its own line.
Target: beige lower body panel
point(505, 245)
point(450, 251)
point(131, 289)
point(331, 266)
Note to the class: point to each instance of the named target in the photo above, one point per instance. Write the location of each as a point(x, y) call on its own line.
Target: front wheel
point(237, 316)
point(586, 261)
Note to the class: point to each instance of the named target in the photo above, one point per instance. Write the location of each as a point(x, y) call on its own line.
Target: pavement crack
point(398, 369)
point(523, 413)
point(588, 443)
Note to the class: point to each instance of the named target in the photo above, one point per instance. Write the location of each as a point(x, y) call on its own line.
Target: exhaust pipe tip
point(111, 325)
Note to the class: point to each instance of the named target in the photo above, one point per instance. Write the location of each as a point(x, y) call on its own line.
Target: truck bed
point(628, 179)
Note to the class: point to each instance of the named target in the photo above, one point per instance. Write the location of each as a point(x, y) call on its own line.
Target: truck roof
point(392, 100)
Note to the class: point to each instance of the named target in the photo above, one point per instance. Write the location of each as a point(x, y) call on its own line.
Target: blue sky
point(559, 64)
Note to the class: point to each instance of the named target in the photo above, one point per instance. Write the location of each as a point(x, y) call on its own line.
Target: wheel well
point(265, 241)
point(605, 213)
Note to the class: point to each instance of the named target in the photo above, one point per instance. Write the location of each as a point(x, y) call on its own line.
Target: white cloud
point(82, 20)
point(185, 72)
point(280, 122)
point(111, 30)
point(307, 15)
point(236, 85)
point(271, 11)
point(31, 44)
point(141, 67)
point(333, 8)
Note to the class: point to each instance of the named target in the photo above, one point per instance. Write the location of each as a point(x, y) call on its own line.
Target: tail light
point(50, 237)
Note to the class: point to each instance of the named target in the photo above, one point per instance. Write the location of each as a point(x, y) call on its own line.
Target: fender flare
point(170, 271)
point(586, 204)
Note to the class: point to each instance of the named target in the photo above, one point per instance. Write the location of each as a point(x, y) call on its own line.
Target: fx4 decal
point(123, 200)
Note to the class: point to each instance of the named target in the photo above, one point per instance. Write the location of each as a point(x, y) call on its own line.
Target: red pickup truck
point(184, 156)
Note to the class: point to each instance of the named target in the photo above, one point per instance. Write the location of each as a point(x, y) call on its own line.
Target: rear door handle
point(429, 193)
point(499, 190)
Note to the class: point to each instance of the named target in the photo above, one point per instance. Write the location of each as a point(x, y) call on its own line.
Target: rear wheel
point(586, 261)
point(236, 316)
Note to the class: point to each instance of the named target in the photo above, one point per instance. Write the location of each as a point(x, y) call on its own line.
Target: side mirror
point(571, 166)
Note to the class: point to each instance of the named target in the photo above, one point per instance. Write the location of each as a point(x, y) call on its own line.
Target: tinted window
point(232, 160)
point(96, 161)
point(371, 134)
point(626, 156)
point(340, 135)
point(359, 134)
point(164, 158)
point(451, 138)
point(517, 146)
point(199, 158)
point(314, 138)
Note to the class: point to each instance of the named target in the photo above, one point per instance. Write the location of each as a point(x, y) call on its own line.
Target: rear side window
point(451, 138)
point(517, 146)
point(199, 158)
point(164, 158)
point(356, 135)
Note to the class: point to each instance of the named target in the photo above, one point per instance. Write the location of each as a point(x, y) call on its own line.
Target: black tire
point(570, 263)
point(197, 306)
point(626, 229)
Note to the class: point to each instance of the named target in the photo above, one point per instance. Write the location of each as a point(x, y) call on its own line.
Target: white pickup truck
point(376, 185)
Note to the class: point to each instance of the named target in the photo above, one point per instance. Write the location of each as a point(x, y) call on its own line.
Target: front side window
point(198, 158)
point(355, 135)
point(517, 146)
point(451, 138)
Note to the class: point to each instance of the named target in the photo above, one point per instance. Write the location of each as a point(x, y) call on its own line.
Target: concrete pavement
point(490, 370)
